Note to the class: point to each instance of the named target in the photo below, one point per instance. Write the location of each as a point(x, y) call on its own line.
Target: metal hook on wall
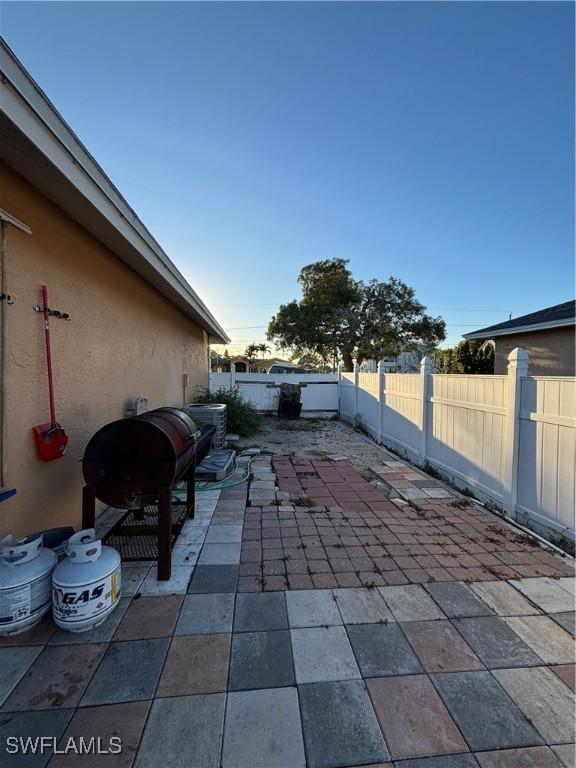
point(52, 312)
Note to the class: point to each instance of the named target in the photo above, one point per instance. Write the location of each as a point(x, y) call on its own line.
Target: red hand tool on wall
point(51, 440)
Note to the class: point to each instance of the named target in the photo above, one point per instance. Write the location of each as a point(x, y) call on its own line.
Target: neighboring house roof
point(552, 317)
point(256, 360)
point(39, 145)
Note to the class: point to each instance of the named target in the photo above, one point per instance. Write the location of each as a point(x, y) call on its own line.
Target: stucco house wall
point(124, 339)
point(550, 352)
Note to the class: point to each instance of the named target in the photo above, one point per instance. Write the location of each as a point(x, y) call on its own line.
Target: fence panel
point(402, 411)
point(220, 381)
point(347, 396)
point(319, 393)
point(466, 429)
point(510, 439)
point(368, 412)
point(547, 451)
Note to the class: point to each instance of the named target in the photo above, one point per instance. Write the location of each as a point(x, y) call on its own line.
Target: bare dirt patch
point(317, 439)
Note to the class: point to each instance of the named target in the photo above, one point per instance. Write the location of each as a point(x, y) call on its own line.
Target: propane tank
point(25, 582)
point(86, 584)
point(55, 539)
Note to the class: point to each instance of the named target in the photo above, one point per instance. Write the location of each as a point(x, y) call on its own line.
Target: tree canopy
point(340, 318)
point(252, 350)
point(469, 356)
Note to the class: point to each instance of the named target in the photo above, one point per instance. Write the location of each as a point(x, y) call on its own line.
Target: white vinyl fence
point(510, 439)
point(319, 390)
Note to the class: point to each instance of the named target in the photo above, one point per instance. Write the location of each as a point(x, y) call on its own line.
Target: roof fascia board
point(512, 330)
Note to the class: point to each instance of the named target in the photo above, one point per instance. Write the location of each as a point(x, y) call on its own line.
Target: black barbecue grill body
point(129, 460)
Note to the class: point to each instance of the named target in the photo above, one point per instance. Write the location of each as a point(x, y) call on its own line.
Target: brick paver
point(340, 726)
point(484, 713)
point(371, 631)
point(440, 647)
point(120, 720)
point(545, 701)
point(195, 664)
point(373, 540)
point(413, 718)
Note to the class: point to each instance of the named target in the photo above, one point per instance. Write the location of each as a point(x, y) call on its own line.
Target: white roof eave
point(513, 330)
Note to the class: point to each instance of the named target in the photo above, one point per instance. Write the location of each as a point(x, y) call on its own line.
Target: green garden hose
point(220, 484)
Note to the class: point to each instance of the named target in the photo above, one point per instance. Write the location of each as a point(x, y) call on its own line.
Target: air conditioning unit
point(214, 415)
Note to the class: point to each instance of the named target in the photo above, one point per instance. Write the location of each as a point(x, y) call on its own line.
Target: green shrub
point(241, 416)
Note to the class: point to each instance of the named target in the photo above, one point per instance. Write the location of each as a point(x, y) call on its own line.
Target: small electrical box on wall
point(136, 406)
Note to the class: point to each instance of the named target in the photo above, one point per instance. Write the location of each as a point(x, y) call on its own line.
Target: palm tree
point(263, 348)
point(251, 353)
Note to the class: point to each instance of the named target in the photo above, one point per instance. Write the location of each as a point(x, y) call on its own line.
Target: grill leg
point(191, 491)
point(88, 506)
point(164, 533)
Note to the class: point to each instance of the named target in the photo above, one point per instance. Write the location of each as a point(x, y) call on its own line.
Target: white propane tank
point(86, 584)
point(25, 582)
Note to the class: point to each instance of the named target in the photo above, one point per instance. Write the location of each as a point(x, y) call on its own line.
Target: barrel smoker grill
point(135, 462)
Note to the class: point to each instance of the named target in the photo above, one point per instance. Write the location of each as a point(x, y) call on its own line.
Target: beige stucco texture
point(123, 340)
point(550, 353)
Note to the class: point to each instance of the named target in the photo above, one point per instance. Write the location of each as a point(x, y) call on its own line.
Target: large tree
point(340, 318)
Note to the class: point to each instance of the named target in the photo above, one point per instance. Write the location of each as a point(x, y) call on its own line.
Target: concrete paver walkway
point(384, 634)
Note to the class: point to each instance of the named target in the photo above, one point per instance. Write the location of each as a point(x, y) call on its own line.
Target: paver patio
point(371, 631)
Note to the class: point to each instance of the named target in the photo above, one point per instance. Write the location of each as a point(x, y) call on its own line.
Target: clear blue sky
point(430, 141)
